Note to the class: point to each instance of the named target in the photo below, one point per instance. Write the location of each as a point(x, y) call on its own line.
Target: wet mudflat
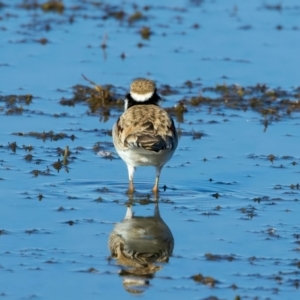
point(230, 195)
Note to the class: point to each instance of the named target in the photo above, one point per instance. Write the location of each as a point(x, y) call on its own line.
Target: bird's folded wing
point(151, 130)
point(149, 142)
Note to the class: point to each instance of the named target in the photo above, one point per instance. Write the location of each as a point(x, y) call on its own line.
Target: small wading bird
point(145, 134)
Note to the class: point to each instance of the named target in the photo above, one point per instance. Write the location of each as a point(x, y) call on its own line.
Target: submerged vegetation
point(46, 135)
point(273, 105)
point(14, 104)
point(100, 99)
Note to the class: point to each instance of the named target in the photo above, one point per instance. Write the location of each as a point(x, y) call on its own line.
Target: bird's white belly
point(140, 157)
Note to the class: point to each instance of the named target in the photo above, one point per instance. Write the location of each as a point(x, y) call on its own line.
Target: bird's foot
point(131, 189)
point(155, 190)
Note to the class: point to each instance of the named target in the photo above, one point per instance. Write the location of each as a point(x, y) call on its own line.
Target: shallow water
point(232, 196)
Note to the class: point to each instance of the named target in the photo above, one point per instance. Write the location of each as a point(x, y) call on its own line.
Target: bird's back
point(148, 127)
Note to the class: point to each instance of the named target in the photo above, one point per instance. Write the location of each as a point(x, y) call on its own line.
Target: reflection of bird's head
point(135, 285)
point(142, 89)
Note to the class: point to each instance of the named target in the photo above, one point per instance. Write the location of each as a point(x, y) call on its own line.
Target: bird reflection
point(139, 244)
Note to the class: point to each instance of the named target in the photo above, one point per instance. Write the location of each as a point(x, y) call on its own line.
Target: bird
point(145, 134)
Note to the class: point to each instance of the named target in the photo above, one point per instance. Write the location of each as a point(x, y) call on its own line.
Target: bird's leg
point(155, 188)
point(131, 170)
point(156, 211)
point(129, 213)
point(158, 170)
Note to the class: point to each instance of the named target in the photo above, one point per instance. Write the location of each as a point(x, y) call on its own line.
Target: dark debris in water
point(90, 270)
point(46, 6)
point(145, 32)
point(271, 104)
point(266, 199)
point(178, 111)
point(71, 222)
point(51, 261)
point(100, 99)
point(36, 172)
point(13, 146)
point(216, 195)
point(207, 280)
point(50, 135)
point(53, 6)
point(293, 189)
point(248, 212)
point(57, 165)
point(274, 158)
point(99, 200)
point(141, 199)
point(195, 135)
point(100, 146)
point(28, 157)
point(14, 104)
point(61, 209)
point(3, 232)
point(102, 190)
point(218, 257)
point(37, 231)
point(272, 232)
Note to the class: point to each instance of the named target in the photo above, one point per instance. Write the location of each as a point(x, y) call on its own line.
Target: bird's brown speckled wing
point(148, 127)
